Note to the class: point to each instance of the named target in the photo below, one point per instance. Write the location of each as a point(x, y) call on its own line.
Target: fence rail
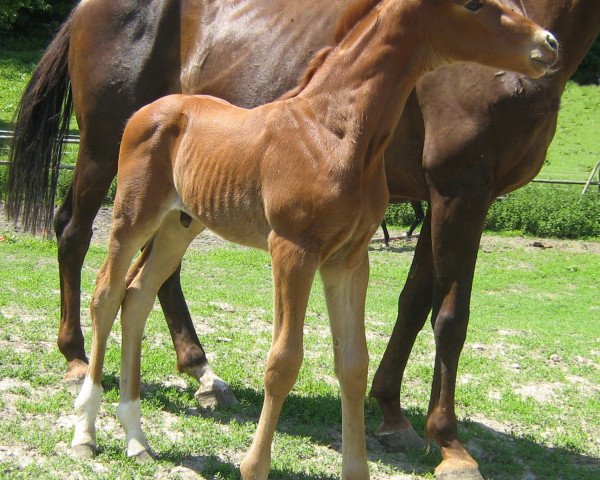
point(74, 139)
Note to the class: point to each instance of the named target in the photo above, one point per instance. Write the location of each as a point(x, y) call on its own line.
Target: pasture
point(528, 390)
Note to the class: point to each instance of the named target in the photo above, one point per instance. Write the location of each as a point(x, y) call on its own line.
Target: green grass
point(534, 330)
point(576, 146)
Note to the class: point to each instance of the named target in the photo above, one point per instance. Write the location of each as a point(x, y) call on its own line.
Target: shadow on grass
point(213, 467)
point(502, 456)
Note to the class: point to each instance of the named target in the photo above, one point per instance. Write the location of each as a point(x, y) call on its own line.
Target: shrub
point(547, 212)
point(400, 214)
point(589, 70)
point(543, 211)
point(41, 15)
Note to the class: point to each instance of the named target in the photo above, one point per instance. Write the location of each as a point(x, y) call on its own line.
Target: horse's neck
point(360, 90)
point(576, 24)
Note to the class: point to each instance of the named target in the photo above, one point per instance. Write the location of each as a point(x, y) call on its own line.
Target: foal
point(302, 177)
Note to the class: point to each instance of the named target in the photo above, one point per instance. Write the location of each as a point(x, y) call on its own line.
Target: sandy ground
point(208, 239)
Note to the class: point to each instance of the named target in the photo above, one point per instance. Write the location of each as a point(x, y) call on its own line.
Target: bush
point(23, 16)
point(547, 212)
point(589, 70)
point(542, 211)
point(400, 214)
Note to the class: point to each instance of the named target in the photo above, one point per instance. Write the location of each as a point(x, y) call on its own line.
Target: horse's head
point(489, 32)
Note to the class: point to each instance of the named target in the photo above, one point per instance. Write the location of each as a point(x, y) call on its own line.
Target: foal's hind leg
point(130, 231)
point(163, 258)
point(345, 290)
point(106, 300)
point(293, 274)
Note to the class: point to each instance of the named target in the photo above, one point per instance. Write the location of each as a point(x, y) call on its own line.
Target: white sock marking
point(129, 415)
point(87, 406)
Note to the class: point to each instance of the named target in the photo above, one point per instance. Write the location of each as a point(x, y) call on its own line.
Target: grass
point(575, 148)
point(528, 392)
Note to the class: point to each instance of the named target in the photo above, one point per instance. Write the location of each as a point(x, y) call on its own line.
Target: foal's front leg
point(293, 273)
point(345, 291)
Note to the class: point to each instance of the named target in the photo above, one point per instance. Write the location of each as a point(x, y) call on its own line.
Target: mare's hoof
point(215, 398)
point(405, 439)
point(145, 456)
point(85, 451)
point(76, 371)
point(471, 473)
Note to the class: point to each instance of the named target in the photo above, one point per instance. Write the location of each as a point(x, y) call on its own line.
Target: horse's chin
point(538, 68)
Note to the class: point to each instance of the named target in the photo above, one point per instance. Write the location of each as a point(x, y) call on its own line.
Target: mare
point(467, 134)
point(302, 177)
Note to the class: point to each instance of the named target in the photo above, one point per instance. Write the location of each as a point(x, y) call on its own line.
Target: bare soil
point(208, 239)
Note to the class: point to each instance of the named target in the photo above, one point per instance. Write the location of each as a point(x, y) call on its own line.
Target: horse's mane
point(357, 10)
point(349, 18)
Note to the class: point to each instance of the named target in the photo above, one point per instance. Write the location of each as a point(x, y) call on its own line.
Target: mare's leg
point(345, 291)
point(159, 261)
point(293, 272)
point(414, 305)
point(386, 234)
point(191, 358)
point(419, 216)
point(456, 227)
point(73, 227)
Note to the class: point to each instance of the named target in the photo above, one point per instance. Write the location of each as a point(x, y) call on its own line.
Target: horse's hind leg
point(191, 359)
point(73, 227)
point(345, 291)
point(414, 305)
point(159, 261)
point(106, 300)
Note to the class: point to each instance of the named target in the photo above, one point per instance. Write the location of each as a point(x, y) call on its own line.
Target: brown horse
point(303, 178)
point(128, 54)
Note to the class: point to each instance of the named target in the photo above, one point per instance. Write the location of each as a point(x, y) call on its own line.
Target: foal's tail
point(41, 123)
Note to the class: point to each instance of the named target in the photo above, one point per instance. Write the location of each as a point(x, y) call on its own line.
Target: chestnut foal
point(302, 177)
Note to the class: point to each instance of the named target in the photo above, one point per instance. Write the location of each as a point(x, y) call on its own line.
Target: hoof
point(76, 371)
point(145, 456)
point(405, 439)
point(85, 451)
point(471, 473)
point(215, 398)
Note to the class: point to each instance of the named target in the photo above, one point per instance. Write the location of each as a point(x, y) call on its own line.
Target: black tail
point(41, 122)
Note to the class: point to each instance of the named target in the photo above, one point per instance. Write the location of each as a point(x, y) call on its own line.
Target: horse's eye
point(474, 5)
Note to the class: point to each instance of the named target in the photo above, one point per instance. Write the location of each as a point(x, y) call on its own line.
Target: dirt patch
point(208, 240)
point(542, 392)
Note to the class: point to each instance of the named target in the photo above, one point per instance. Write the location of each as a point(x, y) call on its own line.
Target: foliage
point(589, 70)
point(400, 214)
point(547, 212)
point(20, 15)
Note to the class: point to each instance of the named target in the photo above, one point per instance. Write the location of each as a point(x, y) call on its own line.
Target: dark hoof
point(405, 439)
point(145, 456)
point(462, 474)
point(215, 398)
point(76, 371)
point(86, 451)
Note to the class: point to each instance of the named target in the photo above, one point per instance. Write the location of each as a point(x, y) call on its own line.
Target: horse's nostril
point(552, 41)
